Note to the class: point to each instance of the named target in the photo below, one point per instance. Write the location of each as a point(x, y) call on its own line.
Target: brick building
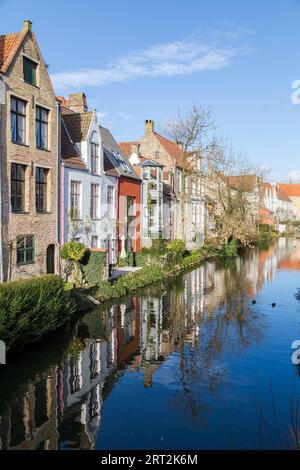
point(129, 192)
point(29, 159)
point(178, 195)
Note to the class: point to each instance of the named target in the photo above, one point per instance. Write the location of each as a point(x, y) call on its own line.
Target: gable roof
point(9, 45)
point(78, 125)
point(70, 155)
point(173, 149)
point(281, 194)
point(150, 163)
point(245, 182)
point(290, 189)
point(126, 147)
point(114, 158)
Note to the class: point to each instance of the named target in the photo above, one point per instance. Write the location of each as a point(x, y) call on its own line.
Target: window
point(25, 250)
point(186, 184)
point(94, 241)
point(194, 192)
point(95, 158)
point(41, 176)
point(110, 199)
point(156, 153)
point(29, 69)
point(178, 180)
point(17, 187)
point(130, 206)
point(76, 199)
point(41, 127)
point(95, 194)
point(153, 216)
point(17, 118)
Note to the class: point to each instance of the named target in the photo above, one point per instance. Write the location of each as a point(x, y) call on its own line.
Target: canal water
point(201, 363)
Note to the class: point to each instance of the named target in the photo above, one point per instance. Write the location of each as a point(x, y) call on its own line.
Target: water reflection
point(53, 395)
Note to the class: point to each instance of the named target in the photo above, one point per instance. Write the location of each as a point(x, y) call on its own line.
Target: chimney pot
point(28, 25)
point(149, 126)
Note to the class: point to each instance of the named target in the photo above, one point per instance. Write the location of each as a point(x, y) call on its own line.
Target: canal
point(201, 363)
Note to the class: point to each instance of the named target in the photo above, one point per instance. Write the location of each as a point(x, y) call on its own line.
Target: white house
point(278, 202)
point(88, 201)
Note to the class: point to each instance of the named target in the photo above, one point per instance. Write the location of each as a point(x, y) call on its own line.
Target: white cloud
point(125, 116)
point(294, 175)
point(160, 60)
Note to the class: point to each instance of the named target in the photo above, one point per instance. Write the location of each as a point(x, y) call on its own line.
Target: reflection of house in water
point(156, 341)
point(81, 378)
point(128, 331)
point(30, 420)
point(63, 406)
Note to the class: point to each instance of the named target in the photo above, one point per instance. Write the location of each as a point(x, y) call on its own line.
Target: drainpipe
point(2, 103)
point(62, 205)
point(57, 192)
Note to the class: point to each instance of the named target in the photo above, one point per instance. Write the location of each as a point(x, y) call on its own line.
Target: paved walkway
point(118, 272)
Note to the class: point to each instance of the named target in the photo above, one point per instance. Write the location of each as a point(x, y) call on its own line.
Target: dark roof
point(78, 125)
point(151, 163)
point(70, 155)
point(114, 158)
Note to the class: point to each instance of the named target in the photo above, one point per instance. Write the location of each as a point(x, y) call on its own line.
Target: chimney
point(77, 102)
point(180, 144)
point(27, 25)
point(149, 126)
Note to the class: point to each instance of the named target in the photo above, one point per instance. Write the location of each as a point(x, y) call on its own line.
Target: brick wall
point(42, 225)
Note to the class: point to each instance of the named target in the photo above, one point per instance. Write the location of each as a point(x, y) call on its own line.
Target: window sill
point(20, 212)
point(19, 143)
point(43, 212)
point(32, 84)
point(42, 148)
point(25, 264)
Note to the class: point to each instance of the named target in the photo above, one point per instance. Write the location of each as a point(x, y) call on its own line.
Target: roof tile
point(78, 125)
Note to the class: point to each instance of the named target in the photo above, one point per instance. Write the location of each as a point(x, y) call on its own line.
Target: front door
point(50, 259)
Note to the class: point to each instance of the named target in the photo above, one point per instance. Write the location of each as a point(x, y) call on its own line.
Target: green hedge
point(93, 266)
point(32, 308)
point(155, 270)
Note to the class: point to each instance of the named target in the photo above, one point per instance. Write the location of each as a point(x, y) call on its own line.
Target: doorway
point(50, 259)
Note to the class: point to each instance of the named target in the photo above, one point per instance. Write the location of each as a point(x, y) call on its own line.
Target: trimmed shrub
point(176, 246)
point(229, 250)
point(30, 309)
point(93, 266)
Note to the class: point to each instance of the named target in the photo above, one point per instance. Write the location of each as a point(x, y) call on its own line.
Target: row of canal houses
point(64, 176)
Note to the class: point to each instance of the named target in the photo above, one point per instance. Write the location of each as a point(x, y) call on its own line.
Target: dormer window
point(29, 71)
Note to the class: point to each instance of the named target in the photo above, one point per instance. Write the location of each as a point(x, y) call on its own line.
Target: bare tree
point(233, 188)
point(193, 132)
point(230, 185)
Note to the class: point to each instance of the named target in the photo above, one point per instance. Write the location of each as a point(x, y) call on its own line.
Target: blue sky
point(140, 59)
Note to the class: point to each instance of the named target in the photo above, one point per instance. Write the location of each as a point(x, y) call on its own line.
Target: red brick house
point(129, 192)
